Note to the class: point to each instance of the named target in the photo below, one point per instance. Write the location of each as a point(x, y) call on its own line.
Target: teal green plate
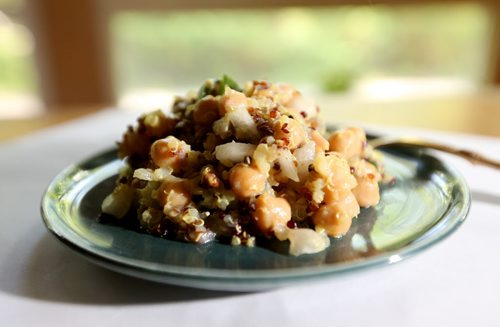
point(427, 202)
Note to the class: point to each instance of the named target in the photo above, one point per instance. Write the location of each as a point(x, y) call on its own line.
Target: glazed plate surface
point(427, 202)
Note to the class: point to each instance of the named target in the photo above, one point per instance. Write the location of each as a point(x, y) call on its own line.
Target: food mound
point(243, 165)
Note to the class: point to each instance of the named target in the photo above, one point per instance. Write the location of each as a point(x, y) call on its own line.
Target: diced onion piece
point(206, 237)
point(302, 240)
point(305, 157)
point(281, 232)
point(263, 156)
point(233, 152)
point(221, 127)
point(143, 174)
point(287, 165)
point(245, 127)
point(306, 241)
point(151, 217)
point(118, 203)
point(165, 174)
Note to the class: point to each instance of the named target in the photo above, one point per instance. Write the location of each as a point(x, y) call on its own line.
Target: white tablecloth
point(42, 282)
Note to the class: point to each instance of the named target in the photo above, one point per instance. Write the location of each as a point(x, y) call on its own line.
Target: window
point(18, 89)
point(332, 49)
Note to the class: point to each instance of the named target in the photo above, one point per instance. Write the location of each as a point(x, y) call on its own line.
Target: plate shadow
point(52, 272)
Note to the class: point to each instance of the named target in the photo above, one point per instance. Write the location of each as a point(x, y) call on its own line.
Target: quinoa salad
point(241, 165)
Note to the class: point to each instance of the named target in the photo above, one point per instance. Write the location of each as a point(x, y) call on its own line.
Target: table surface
point(474, 112)
point(42, 282)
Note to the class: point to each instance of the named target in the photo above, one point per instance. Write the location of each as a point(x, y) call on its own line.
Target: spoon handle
point(472, 157)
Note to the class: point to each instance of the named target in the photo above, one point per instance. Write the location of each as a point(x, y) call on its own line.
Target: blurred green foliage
point(328, 47)
point(17, 71)
point(338, 81)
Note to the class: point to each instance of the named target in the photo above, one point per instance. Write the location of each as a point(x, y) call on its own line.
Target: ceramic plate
point(427, 202)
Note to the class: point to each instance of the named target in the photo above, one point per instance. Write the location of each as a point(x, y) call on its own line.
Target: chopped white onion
point(143, 174)
point(263, 156)
point(244, 126)
point(165, 174)
point(306, 241)
point(287, 165)
point(302, 240)
point(305, 157)
point(221, 127)
point(233, 152)
point(118, 202)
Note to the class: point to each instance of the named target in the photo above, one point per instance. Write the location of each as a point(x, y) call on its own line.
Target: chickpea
point(321, 143)
point(336, 216)
point(363, 168)
point(271, 212)
point(341, 173)
point(207, 111)
point(232, 100)
point(349, 142)
point(332, 194)
point(169, 153)
point(246, 181)
point(173, 197)
point(290, 130)
point(367, 191)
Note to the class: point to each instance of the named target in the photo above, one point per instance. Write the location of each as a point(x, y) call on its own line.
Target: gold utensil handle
point(472, 157)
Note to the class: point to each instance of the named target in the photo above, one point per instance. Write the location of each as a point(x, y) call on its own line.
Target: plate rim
point(259, 275)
